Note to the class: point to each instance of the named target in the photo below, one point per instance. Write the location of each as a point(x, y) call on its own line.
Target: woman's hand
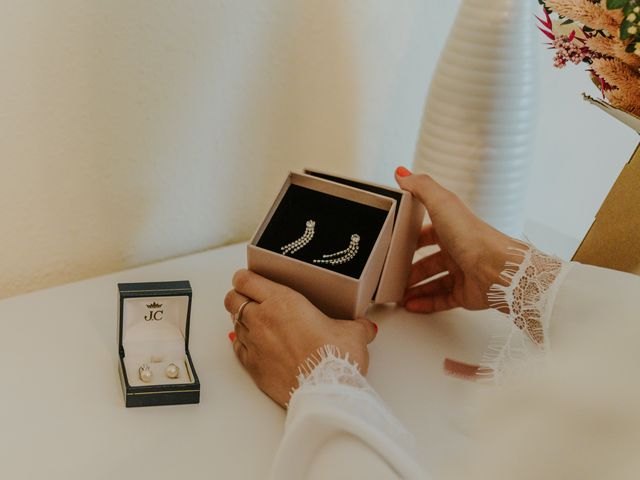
point(280, 328)
point(472, 253)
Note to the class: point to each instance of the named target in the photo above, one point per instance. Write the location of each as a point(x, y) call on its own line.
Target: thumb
point(423, 187)
point(370, 328)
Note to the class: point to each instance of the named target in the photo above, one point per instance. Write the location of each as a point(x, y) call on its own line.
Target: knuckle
point(423, 181)
point(449, 197)
point(289, 296)
point(228, 300)
point(423, 178)
point(241, 278)
point(243, 356)
point(252, 364)
point(281, 302)
point(267, 318)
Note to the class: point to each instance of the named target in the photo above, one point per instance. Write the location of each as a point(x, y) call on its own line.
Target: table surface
point(63, 415)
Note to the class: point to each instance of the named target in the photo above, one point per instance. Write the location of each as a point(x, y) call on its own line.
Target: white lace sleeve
point(527, 293)
point(333, 398)
point(327, 367)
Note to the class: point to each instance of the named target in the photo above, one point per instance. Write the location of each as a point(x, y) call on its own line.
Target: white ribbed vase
point(479, 121)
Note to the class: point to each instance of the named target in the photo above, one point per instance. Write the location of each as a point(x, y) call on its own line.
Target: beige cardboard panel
point(623, 116)
point(342, 191)
point(336, 295)
point(401, 251)
point(371, 275)
point(614, 238)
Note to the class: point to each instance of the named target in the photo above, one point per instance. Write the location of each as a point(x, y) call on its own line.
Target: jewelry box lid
point(154, 302)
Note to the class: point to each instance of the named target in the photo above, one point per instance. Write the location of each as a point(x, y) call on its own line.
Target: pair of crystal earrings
point(337, 258)
point(144, 372)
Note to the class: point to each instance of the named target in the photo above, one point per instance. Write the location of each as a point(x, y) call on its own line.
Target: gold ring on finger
point(238, 316)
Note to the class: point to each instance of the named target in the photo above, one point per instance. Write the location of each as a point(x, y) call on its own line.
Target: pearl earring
point(172, 371)
point(144, 372)
point(343, 256)
point(306, 237)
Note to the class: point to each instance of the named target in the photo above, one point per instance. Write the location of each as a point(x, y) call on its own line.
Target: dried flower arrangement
point(605, 34)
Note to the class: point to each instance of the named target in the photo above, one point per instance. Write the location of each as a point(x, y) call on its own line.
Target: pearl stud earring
point(172, 371)
point(145, 374)
point(306, 237)
point(343, 256)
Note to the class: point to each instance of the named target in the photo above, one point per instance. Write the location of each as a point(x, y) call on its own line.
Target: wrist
point(500, 251)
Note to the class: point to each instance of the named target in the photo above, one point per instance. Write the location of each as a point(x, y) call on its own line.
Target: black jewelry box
point(153, 331)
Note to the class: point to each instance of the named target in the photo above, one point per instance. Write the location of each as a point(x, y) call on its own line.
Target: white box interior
point(153, 333)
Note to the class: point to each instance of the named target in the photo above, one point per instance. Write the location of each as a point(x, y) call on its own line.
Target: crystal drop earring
point(293, 247)
point(343, 256)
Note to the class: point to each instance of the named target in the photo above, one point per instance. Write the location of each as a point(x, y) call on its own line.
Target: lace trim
point(327, 366)
point(528, 297)
point(332, 375)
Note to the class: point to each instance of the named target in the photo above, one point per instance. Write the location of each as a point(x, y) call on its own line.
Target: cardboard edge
point(629, 119)
point(399, 259)
point(613, 238)
point(636, 154)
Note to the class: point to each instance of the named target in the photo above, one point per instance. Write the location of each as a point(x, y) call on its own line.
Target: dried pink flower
point(568, 51)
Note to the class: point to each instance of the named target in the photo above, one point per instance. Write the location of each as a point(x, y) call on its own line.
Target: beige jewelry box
point(387, 219)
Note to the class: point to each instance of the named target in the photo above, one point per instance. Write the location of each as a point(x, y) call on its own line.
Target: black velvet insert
point(336, 220)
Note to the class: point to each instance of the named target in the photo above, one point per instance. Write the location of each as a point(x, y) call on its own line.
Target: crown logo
point(154, 305)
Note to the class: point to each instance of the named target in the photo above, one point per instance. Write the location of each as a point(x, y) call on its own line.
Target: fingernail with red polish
point(375, 325)
point(402, 172)
point(232, 336)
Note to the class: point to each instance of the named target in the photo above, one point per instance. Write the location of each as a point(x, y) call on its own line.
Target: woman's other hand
point(279, 329)
point(472, 253)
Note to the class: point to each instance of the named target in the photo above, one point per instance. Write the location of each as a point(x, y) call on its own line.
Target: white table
point(63, 415)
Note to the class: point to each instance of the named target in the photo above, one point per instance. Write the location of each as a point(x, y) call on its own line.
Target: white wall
point(132, 131)
point(580, 152)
